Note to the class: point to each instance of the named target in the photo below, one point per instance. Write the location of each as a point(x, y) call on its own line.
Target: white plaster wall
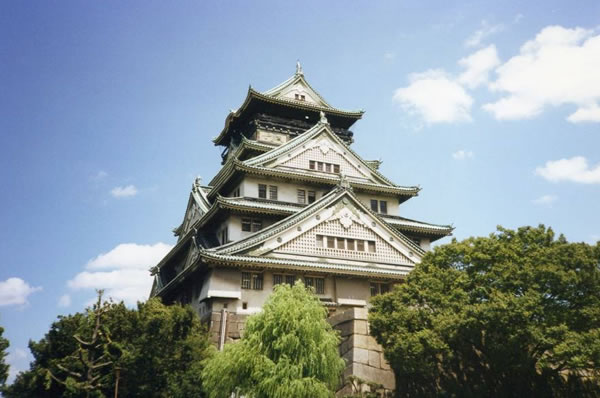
point(392, 202)
point(353, 289)
point(425, 244)
point(286, 192)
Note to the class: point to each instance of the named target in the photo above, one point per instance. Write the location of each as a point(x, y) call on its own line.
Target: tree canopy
point(154, 350)
point(3, 365)
point(513, 314)
point(287, 351)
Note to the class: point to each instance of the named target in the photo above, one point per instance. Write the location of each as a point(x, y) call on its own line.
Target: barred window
point(371, 246)
point(374, 205)
point(246, 276)
point(257, 281)
point(301, 196)
point(311, 164)
point(290, 279)
point(273, 192)
point(312, 196)
point(262, 191)
point(319, 285)
point(330, 242)
point(379, 288)
point(336, 168)
point(309, 281)
point(277, 279)
point(340, 243)
point(350, 244)
point(251, 225)
point(360, 245)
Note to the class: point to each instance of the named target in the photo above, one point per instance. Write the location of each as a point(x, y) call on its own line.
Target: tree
point(514, 314)
point(155, 351)
point(288, 351)
point(3, 365)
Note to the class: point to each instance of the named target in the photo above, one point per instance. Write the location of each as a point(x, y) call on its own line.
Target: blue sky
point(107, 110)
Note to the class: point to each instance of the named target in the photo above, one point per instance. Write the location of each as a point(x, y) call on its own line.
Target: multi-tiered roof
point(281, 135)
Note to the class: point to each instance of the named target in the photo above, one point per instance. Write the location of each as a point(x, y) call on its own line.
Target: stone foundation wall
point(363, 356)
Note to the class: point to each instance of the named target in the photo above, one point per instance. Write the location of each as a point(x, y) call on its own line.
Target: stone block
point(360, 341)
point(359, 355)
point(375, 375)
point(373, 345)
point(374, 359)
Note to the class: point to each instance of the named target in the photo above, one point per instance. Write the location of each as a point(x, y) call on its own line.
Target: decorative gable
point(340, 231)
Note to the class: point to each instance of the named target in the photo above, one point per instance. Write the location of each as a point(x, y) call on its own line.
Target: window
point(350, 244)
point(277, 279)
point(262, 191)
point(297, 97)
point(319, 240)
point(309, 281)
point(252, 281)
point(371, 246)
point(236, 192)
point(324, 166)
point(224, 236)
point(374, 205)
point(312, 196)
point(319, 285)
point(290, 279)
point(246, 276)
point(273, 192)
point(251, 225)
point(379, 288)
point(330, 242)
point(301, 196)
point(244, 306)
point(257, 281)
point(383, 207)
point(302, 97)
point(360, 245)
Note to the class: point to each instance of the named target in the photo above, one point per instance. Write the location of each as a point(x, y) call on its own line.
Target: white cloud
point(560, 66)
point(485, 31)
point(575, 169)
point(124, 192)
point(478, 66)
point(124, 271)
point(64, 301)
point(462, 154)
point(389, 55)
point(100, 175)
point(14, 291)
point(545, 200)
point(436, 97)
point(590, 113)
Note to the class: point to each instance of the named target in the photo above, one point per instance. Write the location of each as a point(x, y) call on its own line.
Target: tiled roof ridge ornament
point(299, 68)
point(345, 182)
point(197, 183)
point(323, 118)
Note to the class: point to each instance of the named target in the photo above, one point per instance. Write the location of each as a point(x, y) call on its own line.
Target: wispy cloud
point(123, 271)
point(575, 169)
point(15, 291)
point(478, 66)
point(482, 33)
point(545, 200)
point(64, 301)
point(518, 18)
point(462, 154)
point(389, 55)
point(124, 192)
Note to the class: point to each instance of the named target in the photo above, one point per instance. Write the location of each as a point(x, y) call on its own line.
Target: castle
point(294, 201)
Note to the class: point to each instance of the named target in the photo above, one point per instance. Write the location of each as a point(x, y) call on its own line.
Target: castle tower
point(293, 201)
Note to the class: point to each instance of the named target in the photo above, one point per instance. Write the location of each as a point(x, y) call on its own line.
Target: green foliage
point(155, 350)
point(3, 365)
point(288, 351)
point(514, 314)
